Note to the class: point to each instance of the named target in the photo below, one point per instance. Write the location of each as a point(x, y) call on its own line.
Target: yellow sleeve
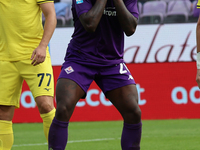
point(198, 4)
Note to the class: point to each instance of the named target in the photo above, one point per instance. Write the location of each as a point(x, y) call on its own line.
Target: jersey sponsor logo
point(79, 1)
point(69, 70)
point(110, 11)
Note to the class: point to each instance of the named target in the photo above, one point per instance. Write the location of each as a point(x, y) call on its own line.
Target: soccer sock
point(6, 135)
point(58, 135)
point(131, 136)
point(47, 120)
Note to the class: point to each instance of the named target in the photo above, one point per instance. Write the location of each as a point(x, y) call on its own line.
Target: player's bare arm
point(39, 54)
point(198, 52)
point(127, 20)
point(90, 19)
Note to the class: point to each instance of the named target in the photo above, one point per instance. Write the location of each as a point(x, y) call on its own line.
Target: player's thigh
point(68, 92)
point(125, 98)
point(74, 78)
point(39, 78)
point(10, 84)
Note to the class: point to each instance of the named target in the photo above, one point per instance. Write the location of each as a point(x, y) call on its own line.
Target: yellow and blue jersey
point(21, 28)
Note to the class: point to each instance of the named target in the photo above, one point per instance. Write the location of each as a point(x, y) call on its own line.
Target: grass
point(183, 134)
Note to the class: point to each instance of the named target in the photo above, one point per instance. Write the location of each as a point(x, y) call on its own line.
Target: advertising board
point(161, 59)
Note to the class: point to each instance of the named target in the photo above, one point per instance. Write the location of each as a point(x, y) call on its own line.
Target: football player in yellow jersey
point(198, 47)
point(24, 55)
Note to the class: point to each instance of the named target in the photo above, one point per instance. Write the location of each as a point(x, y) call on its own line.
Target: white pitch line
point(76, 141)
point(36, 144)
point(80, 141)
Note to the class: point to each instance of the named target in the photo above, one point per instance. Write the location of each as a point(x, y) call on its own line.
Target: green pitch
point(156, 135)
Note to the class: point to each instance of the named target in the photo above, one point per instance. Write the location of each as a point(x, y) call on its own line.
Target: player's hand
point(198, 77)
point(38, 56)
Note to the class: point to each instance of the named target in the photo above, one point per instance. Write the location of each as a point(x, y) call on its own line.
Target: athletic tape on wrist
point(198, 60)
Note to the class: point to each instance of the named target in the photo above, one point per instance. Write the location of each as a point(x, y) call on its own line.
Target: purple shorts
point(106, 77)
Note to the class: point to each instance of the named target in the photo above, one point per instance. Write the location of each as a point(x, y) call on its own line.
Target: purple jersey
point(106, 44)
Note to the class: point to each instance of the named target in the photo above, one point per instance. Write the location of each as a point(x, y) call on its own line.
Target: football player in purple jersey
point(95, 53)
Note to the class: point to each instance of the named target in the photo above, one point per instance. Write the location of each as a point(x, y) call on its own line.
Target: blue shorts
point(106, 77)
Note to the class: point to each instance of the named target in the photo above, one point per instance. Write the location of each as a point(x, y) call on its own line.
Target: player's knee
point(62, 113)
point(45, 104)
point(135, 109)
point(6, 112)
point(137, 113)
point(45, 108)
point(61, 109)
point(133, 116)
